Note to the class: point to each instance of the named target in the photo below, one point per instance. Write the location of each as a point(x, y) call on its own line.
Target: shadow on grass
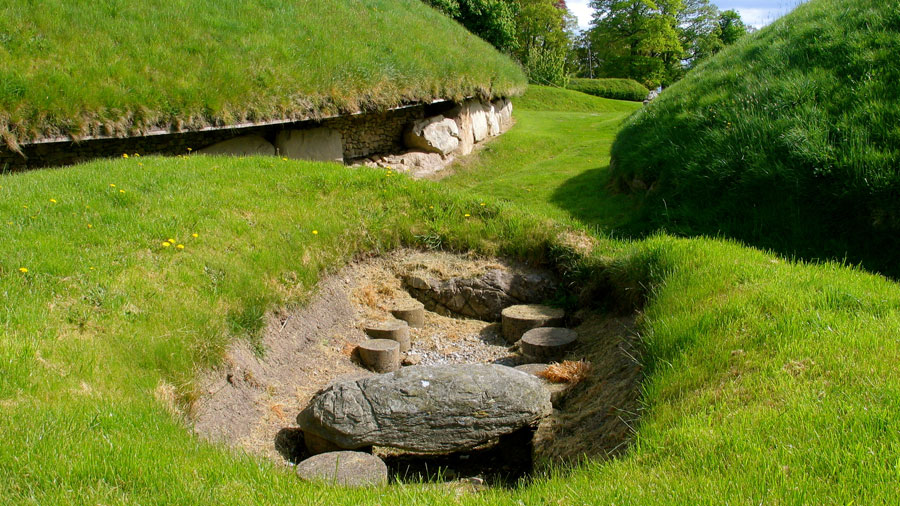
point(588, 199)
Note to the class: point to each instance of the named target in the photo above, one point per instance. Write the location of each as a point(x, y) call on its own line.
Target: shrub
point(619, 89)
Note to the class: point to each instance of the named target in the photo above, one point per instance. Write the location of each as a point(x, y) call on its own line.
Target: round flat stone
point(349, 469)
point(517, 320)
point(548, 344)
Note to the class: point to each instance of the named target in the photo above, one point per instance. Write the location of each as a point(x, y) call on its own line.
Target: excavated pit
point(252, 401)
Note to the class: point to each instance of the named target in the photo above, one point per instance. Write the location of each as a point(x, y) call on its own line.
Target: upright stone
point(347, 469)
point(478, 114)
point(463, 118)
point(493, 118)
point(245, 145)
point(317, 144)
point(505, 108)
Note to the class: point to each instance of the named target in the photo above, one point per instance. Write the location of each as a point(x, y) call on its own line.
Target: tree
point(538, 33)
point(637, 39)
point(732, 27)
point(492, 20)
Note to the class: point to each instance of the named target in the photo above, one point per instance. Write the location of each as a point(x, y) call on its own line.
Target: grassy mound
point(619, 89)
point(125, 66)
point(766, 381)
point(547, 98)
point(788, 140)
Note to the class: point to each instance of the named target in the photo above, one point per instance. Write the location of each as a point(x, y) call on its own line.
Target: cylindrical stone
point(380, 355)
point(411, 311)
point(547, 344)
point(348, 469)
point(517, 320)
point(395, 330)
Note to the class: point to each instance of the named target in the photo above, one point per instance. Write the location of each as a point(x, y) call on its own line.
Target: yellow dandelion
point(483, 204)
point(125, 155)
point(140, 164)
point(172, 241)
point(137, 155)
point(284, 159)
point(90, 226)
point(189, 150)
point(195, 235)
point(315, 232)
point(430, 207)
point(23, 270)
point(92, 268)
point(111, 185)
point(467, 215)
point(180, 246)
point(166, 244)
point(24, 207)
point(53, 200)
point(121, 191)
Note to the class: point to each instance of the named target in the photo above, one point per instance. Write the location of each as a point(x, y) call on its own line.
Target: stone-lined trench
point(253, 401)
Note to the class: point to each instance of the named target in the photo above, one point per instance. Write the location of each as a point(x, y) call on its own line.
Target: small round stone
point(517, 320)
point(548, 344)
point(395, 330)
point(410, 311)
point(348, 469)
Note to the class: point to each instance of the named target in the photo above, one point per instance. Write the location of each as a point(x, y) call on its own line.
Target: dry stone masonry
point(419, 139)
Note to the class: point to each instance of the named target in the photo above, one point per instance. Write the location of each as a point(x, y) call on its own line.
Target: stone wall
point(363, 135)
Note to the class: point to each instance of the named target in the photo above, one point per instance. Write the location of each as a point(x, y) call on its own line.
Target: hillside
point(765, 381)
point(787, 140)
point(122, 67)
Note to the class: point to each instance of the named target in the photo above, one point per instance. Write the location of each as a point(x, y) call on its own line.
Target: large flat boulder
point(461, 114)
point(435, 135)
point(441, 408)
point(245, 145)
point(316, 144)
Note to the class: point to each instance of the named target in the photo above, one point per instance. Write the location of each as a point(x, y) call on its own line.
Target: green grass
point(767, 381)
point(555, 159)
point(619, 89)
point(788, 140)
point(121, 66)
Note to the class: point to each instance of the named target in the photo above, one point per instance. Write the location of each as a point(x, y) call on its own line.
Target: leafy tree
point(492, 20)
point(538, 33)
point(732, 27)
point(637, 39)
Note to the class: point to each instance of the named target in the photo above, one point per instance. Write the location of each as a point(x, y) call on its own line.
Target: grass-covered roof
point(122, 67)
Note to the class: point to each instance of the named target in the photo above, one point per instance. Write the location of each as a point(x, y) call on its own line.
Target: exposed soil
point(251, 402)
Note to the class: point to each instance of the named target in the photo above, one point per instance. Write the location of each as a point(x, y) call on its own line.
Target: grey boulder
point(349, 469)
point(436, 135)
point(441, 408)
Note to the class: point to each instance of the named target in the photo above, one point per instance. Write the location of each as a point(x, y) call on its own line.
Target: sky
point(758, 13)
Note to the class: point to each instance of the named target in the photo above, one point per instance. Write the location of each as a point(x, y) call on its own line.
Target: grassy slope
point(787, 140)
point(554, 160)
point(619, 89)
point(123, 65)
point(767, 381)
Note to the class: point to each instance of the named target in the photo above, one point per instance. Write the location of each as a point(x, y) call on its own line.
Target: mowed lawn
point(555, 162)
point(767, 381)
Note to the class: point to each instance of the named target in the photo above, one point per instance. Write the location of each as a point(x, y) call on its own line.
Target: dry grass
point(568, 371)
